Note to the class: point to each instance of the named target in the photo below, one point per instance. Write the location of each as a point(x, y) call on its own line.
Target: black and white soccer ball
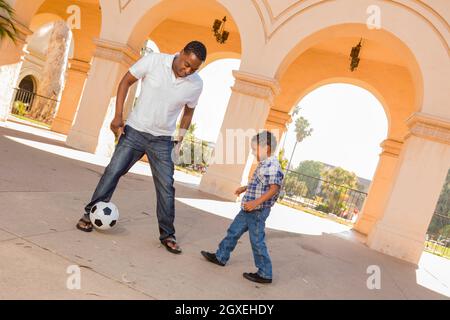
point(104, 215)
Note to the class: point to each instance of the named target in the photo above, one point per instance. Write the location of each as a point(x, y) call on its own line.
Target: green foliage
point(313, 169)
point(19, 108)
point(302, 129)
point(283, 161)
point(294, 187)
point(194, 153)
point(440, 223)
point(443, 205)
point(7, 28)
point(335, 189)
point(340, 177)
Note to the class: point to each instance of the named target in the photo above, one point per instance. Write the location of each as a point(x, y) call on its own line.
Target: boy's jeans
point(132, 146)
point(255, 223)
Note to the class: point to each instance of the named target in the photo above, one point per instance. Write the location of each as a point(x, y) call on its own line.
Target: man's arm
point(185, 123)
point(117, 124)
point(251, 205)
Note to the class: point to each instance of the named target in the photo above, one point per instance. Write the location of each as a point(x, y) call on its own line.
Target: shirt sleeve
point(194, 98)
point(273, 175)
point(142, 66)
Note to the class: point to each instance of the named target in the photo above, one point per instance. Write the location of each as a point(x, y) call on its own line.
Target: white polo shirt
point(163, 95)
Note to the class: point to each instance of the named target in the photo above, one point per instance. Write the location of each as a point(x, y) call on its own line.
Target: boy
point(261, 194)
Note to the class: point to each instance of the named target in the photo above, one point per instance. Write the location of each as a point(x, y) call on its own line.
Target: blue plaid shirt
point(267, 172)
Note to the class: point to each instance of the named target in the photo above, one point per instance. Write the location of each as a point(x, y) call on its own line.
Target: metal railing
point(321, 195)
point(24, 101)
point(438, 235)
point(195, 155)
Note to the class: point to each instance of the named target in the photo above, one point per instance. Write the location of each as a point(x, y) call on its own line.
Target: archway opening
point(28, 83)
point(325, 57)
point(61, 39)
point(329, 170)
point(191, 23)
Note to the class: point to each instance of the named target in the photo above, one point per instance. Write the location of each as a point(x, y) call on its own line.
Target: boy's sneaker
point(211, 257)
point(256, 278)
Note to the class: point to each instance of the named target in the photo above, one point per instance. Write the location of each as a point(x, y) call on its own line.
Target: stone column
point(381, 186)
point(73, 90)
point(11, 58)
point(277, 123)
point(53, 74)
point(111, 61)
point(247, 112)
point(423, 166)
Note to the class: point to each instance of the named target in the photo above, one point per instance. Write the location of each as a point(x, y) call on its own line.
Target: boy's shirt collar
point(267, 160)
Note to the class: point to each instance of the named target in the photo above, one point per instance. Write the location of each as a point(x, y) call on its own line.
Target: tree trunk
point(53, 74)
point(292, 155)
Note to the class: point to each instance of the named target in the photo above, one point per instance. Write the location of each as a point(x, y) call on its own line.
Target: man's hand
point(251, 205)
point(117, 126)
point(178, 142)
point(240, 190)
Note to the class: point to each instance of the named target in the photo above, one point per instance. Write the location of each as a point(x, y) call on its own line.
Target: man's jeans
point(132, 146)
point(254, 222)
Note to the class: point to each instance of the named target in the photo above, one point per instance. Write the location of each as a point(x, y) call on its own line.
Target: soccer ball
point(104, 215)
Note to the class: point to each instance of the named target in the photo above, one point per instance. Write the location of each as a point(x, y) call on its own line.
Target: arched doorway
point(158, 22)
point(28, 83)
point(331, 170)
point(382, 72)
point(25, 94)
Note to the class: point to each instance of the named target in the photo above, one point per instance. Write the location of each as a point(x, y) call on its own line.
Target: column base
point(365, 224)
point(396, 243)
point(60, 125)
point(82, 141)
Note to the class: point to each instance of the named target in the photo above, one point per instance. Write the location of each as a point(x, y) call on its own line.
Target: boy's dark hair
point(197, 48)
point(266, 138)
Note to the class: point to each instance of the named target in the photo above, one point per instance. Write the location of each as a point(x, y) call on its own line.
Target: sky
point(348, 122)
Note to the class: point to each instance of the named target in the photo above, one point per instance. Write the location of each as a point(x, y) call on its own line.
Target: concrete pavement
point(44, 186)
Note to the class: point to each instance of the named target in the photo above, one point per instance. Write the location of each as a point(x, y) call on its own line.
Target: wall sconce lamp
point(354, 55)
point(219, 32)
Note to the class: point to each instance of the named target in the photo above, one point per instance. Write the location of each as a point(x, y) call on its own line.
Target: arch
point(353, 81)
point(429, 32)
point(25, 72)
point(28, 83)
point(315, 67)
point(158, 19)
point(91, 20)
point(215, 56)
point(41, 19)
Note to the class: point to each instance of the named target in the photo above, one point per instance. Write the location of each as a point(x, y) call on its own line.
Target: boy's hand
point(251, 205)
point(240, 190)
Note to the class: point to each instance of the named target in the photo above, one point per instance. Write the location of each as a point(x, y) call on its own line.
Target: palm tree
point(294, 113)
point(7, 28)
point(302, 130)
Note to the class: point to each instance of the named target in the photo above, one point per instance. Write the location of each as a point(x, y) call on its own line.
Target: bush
point(19, 108)
point(323, 207)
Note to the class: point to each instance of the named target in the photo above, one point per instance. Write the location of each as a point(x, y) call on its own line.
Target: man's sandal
point(84, 225)
point(171, 245)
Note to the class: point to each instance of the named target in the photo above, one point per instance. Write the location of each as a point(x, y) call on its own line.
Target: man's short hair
point(197, 48)
point(266, 138)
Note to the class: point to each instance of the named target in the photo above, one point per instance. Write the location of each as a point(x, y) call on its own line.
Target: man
point(169, 85)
